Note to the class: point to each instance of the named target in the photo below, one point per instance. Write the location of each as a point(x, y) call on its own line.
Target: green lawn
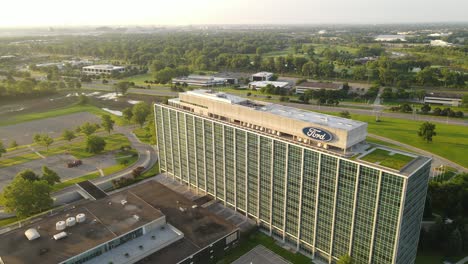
point(77, 149)
point(144, 136)
point(383, 157)
point(124, 160)
point(59, 112)
point(451, 141)
point(258, 238)
point(7, 221)
point(7, 162)
point(62, 185)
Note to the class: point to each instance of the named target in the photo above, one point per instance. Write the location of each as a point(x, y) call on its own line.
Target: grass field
point(77, 149)
point(383, 157)
point(59, 112)
point(259, 238)
point(451, 141)
point(7, 221)
point(124, 160)
point(144, 136)
point(62, 185)
point(384, 143)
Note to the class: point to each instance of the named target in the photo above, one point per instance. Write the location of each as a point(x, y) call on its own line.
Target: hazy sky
point(182, 12)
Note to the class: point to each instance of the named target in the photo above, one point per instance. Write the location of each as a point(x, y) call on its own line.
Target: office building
point(102, 69)
point(204, 81)
point(257, 85)
point(261, 76)
point(308, 179)
point(443, 99)
point(305, 86)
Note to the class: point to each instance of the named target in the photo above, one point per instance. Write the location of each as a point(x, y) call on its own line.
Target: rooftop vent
point(60, 235)
point(32, 234)
point(136, 217)
point(123, 202)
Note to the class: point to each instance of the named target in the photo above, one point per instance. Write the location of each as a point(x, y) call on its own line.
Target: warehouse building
point(308, 179)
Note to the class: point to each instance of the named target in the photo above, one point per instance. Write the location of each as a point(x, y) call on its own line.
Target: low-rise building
point(443, 99)
point(261, 76)
point(204, 80)
point(302, 87)
point(261, 84)
point(145, 221)
point(102, 69)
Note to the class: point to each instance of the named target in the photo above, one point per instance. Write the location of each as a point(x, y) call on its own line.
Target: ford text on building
point(297, 173)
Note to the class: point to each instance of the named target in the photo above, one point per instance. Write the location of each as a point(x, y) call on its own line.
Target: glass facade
point(325, 205)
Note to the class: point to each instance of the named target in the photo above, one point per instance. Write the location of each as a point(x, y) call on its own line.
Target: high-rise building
point(308, 179)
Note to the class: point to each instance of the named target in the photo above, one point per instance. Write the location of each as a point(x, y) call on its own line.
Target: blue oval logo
point(317, 134)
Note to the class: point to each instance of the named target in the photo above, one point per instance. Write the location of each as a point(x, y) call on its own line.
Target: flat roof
point(200, 227)
point(103, 67)
point(281, 110)
point(321, 85)
point(265, 83)
point(106, 219)
point(262, 74)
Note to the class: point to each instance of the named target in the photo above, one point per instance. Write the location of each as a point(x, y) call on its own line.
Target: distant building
point(390, 38)
point(260, 84)
point(440, 43)
point(261, 76)
point(443, 99)
point(59, 65)
point(204, 80)
point(301, 88)
point(102, 69)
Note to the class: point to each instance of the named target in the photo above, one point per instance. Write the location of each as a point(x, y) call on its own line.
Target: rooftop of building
point(262, 74)
point(321, 85)
point(265, 83)
point(200, 227)
point(281, 110)
point(445, 95)
point(105, 219)
point(103, 67)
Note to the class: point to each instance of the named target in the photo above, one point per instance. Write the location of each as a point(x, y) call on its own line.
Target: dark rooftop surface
point(149, 201)
point(92, 190)
point(200, 226)
point(321, 85)
point(106, 219)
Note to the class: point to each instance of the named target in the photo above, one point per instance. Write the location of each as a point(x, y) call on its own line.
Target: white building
point(261, 76)
point(443, 99)
point(440, 43)
point(102, 69)
point(260, 84)
point(204, 81)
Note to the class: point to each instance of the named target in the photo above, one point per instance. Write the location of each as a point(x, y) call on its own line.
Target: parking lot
point(57, 163)
point(23, 133)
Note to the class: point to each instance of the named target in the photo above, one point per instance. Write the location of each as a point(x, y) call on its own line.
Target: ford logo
point(317, 134)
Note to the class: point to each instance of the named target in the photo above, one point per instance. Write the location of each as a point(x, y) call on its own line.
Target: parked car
point(74, 163)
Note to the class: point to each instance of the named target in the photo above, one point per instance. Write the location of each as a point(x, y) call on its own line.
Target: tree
point(140, 112)
point(25, 197)
point(465, 100)
point(107, 123)
point(127, 113)
point(426, 108)
point(95, 144)
point(13, 144)
point(88, 129)
point(427, 131)
point(345, 259)
point(68, 135)
point(28, 175)
point(2, 148)
point(122, 87)
point(50, 176)
point(43, 140)
point(345, 114)
point(83, 99)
